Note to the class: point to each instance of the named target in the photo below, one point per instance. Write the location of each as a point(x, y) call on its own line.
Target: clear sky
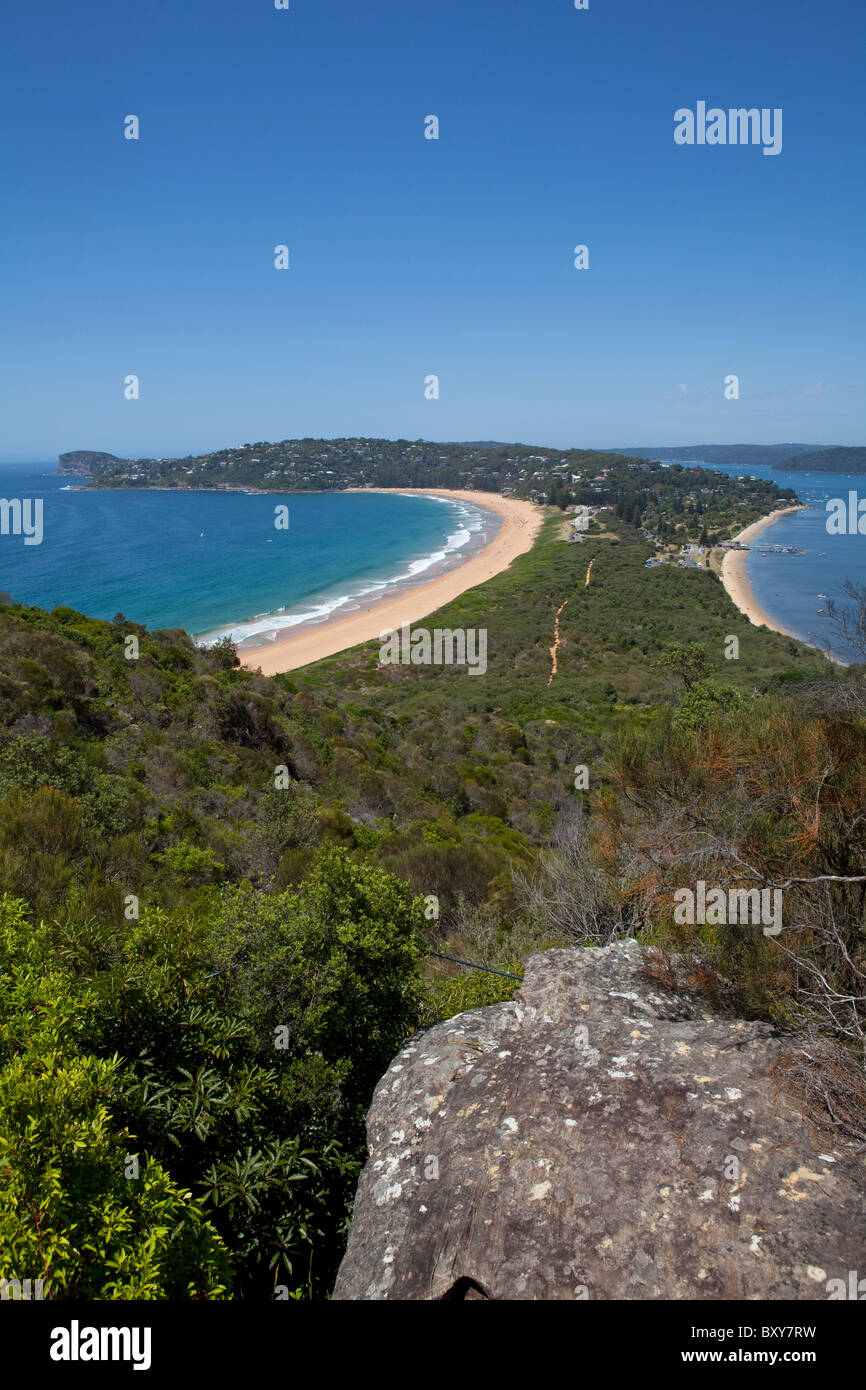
point(411, 257)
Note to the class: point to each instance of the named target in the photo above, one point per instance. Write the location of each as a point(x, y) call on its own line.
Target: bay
point(792, 588)
point(214, 562)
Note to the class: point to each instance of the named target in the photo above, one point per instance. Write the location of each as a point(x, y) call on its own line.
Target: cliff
point(86, 462)
point(602, 1136)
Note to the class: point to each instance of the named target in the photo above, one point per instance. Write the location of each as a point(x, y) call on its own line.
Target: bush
point(472, 989)
point(333, 962)
point(74, 1210)
point(194, 866)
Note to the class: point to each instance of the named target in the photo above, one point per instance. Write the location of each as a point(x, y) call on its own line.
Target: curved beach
point(520, 525)
point(735, 577)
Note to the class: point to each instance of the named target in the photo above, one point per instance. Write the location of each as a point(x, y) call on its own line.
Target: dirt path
point(589, 572)
point(556, 638)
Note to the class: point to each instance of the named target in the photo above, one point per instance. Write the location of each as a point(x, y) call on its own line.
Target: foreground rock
point(599, 1137)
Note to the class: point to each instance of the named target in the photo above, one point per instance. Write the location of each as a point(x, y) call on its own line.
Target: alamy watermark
point(27, 1290)
point(729, 906)
point(854, 1288)
point(846, 518)
point(736, 126)
point(22, 516)
point(77, 1343)
point(443, 647)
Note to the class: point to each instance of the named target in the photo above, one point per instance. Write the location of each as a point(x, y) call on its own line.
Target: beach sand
point(520, 525)
point(736, 580)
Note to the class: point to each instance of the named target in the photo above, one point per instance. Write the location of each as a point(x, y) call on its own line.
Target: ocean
point(792, 588)
point(215, 564)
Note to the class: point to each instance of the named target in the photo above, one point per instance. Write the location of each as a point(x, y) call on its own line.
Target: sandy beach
point(520, 524)
point(736, 580)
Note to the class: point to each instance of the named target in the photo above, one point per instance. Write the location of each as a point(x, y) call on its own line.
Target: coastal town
point(692, 556)
point(672, 504)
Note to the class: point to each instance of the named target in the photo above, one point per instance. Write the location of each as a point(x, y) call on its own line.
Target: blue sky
point(412, 257)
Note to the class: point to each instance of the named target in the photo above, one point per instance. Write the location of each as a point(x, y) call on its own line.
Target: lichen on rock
point(602, 1136)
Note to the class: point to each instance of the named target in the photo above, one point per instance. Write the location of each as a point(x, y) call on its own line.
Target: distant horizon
point(6, 461)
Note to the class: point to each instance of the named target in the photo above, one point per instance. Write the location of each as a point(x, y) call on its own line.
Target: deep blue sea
point(789, 587)
point(214, 562)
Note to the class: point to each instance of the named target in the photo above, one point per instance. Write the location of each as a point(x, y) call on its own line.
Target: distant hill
point(86, 462)
point(757, 455)
point(327, 465)
point(838, 460)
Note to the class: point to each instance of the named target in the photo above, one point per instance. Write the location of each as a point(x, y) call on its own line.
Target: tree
point(705, 703)
point(82, 1206)
point(685, 662)
point(849, 623)
point(333, 961)
point(224, 654)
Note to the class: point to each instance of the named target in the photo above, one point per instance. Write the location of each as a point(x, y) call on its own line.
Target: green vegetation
point(323, 465)
point(743, 456)
point(182, 1096)
point(222, 891)
point(665, 497)
point(839, 460)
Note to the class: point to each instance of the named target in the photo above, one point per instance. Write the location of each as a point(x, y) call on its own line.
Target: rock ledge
point(598, 1137)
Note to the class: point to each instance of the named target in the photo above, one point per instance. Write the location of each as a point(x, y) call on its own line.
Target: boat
point(822, 595)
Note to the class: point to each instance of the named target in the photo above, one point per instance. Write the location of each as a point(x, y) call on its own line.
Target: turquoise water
point(214, 562)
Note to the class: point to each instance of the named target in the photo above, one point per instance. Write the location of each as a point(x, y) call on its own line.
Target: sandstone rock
point(85, 462)
point(599, 1137)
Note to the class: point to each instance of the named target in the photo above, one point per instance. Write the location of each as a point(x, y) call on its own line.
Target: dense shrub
point(81, 1206)
point(232, 1047)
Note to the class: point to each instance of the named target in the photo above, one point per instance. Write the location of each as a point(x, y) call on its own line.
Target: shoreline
point(519, 525)
point(738, 586)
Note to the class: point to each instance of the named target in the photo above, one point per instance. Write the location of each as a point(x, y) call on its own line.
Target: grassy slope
point(156, 777)
point(612, 630)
